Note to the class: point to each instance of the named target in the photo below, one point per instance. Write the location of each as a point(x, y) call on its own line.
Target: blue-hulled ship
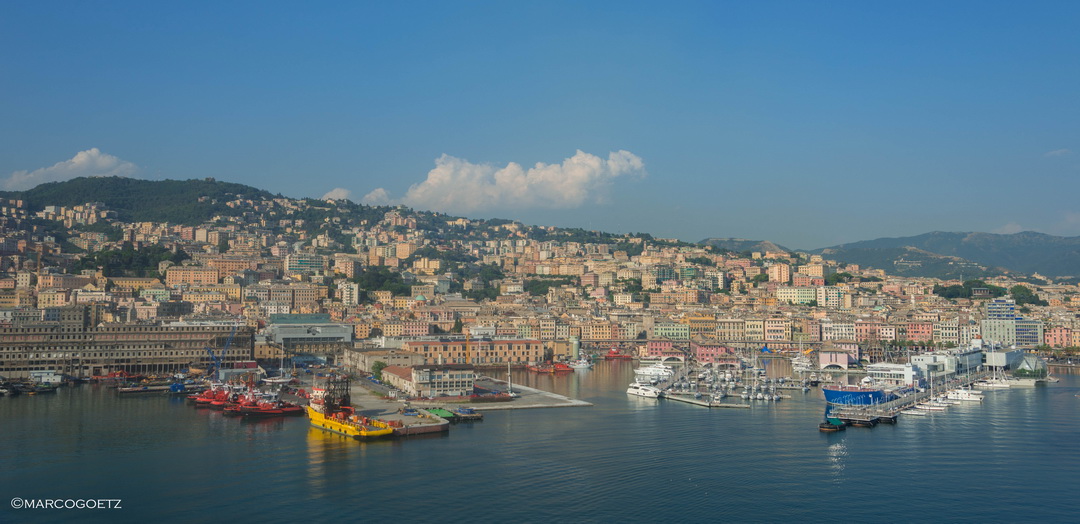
point(857, 395)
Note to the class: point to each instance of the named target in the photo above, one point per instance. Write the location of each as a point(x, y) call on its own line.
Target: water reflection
point(837, 453)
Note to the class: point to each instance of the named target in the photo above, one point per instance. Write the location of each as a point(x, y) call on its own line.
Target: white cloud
point(91, 162)
point(459, 186)
point(1008, 229)
point(338, 193)
point(1058, 152)
point(378, 197)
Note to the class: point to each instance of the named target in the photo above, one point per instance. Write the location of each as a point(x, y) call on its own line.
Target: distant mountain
point(739, 245)
point(177, 201)
point(1027, 252)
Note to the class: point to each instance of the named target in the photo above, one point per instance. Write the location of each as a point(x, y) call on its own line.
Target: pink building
point(716, 354)
point(1058, 337)
point(920, 331)
point(868, 331)
point(663, 349)
point(840, 356)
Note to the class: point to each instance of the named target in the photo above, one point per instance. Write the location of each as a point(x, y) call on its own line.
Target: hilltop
point(947, 255)
point(740, 245)
point(187, 202)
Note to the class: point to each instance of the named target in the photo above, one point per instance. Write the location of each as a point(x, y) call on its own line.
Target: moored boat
point(329, 410)
point(654, 372)
point(550, 367)
point(615, 354)
point(831, 425)
point(644, 390)
point(581, 363)
point(864, 394)
point(965, 394)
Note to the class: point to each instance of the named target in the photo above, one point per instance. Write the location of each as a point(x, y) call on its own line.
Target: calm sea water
point(1013, 458)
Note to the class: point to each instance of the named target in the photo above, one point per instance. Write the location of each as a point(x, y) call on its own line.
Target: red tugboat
point(254, 403)
point(203, 400)
point(550, 367)
point(614, 354)
point(269, 408)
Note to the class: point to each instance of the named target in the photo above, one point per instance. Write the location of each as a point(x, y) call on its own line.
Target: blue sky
point(805, 123)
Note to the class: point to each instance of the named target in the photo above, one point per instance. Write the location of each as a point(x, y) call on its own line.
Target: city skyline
point(801, 124)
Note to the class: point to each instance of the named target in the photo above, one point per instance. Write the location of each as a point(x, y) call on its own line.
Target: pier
point(705, 401)
point(887, 412)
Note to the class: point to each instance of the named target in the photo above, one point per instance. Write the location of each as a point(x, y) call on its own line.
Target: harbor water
point(1010, 458)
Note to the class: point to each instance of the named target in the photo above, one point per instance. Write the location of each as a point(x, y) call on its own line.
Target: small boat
point(35, 389)
point(831, 425)
point(644, 390)
point(965, 394)
point(915, 412)
point(581, 363)
point(279, 380)
point(468, 414)
point(926, 406)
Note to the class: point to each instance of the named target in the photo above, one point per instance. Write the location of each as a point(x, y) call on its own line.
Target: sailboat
point(281, 378)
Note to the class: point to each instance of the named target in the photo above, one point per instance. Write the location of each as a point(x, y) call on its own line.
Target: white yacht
point(644, 390)
point(965, 394)
point(655, 372)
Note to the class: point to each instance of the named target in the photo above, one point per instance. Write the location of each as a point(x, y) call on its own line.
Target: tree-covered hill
point(1027, 252)
point(175, 201)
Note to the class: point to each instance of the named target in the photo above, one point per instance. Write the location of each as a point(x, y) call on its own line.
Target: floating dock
point(703, 401)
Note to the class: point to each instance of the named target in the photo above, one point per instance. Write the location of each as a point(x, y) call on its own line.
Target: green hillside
point(1027, 252)
point(175, 201)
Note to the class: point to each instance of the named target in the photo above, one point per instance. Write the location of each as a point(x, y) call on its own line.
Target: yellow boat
point(346, 422)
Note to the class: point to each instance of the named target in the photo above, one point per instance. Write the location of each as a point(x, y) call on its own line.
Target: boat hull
point(644, 391)
point(856, 396)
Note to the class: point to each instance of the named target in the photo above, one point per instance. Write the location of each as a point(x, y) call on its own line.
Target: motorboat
point(655, 372)
point(581, 363)
point(644, 390)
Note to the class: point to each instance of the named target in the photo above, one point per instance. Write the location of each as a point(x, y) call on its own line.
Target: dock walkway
point(703, 401)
